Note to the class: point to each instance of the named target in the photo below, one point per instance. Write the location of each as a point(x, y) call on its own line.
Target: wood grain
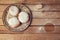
point(42, 2)
point(30, 1)
point(10, 1)
point(30, 30)
point(46, 15)
point(30, 36)
point(48, 8)
point(45, 21)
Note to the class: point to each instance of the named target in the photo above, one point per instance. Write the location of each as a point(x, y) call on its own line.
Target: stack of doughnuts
point(19, 17)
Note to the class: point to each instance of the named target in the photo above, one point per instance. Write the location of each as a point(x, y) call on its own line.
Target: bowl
point(6, 16)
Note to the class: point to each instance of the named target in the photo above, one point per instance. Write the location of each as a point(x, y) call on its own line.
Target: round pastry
point(13, 10)
point(13, 22)
point(23, 17)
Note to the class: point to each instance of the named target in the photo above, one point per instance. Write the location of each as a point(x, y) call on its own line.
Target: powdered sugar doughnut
point(13, 10)
point(23, 17)
point(13, 22)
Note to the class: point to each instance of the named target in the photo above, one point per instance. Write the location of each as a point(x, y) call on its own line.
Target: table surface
point(48, 16)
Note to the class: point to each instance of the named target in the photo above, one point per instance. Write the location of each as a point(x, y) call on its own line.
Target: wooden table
point(49, 15)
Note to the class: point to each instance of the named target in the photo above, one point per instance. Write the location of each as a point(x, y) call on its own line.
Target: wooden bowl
point(6, 16)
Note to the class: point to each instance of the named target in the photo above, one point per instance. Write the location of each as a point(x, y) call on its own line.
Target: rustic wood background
point(50, 13)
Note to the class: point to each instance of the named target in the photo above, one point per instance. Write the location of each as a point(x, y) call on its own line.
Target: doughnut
point(13, 22)
point(13, 10)
point(23, 17)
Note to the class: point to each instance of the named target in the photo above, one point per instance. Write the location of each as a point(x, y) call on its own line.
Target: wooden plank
point(41, 21)
point(45, 21)
point(44, 15)
point(42, 1)
point(37, 8)
point(30, 1)
point(10, 1)
point(30, 36)
point(44, 8)
point(31, 29)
